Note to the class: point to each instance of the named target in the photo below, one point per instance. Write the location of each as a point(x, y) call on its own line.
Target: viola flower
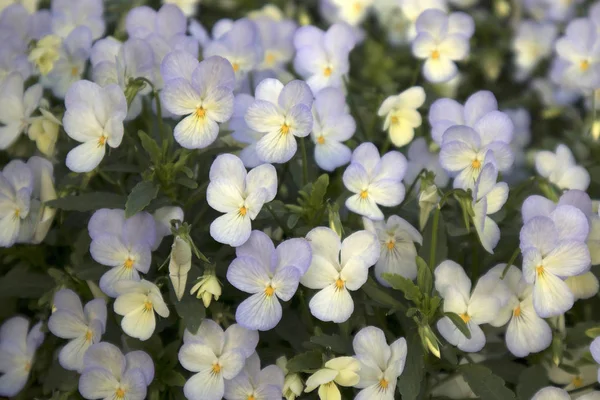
point(397, 240)
point(84, 326)
point(380, 364)
point(579, 66)
point(292, 385)
point(583, 286)
point(374, 180)
point(421, 157)
point(137, 302)
point(281, 113)
point(560, 168)
point(481, 306)
point(488, 198)
point(342, 371)
point(162, 220)
point(335, 277)
point(322, 57)
point(240, 45)
point(109, 374)
point(180, 264)
point(67, 16)
point(254, 383)
point(522, 133)
point(70, 66)
point(526, 332)
point(214, 356)
point(401, 116)
point(16, 119)
point(45, 53)
point(554, 248)
point(118, 63)
point(412, 9)
point(585, 373)
point(468, 133)
point(164, 30)
point(277, 39)
point(533, 42)
point(188, 7)
point(202, 91)
point(123, 244)
point(44, 131)
point(94, 117)
point(551, 393)
point(441, 40)
point(551, 10)
point(268, 274)
point(332, 125)
point(351, 12)
point(242, 132)
point(17, 352)
point(238, 194)
point(207, 287)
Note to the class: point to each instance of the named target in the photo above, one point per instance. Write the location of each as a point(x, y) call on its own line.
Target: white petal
point(231, 228)
point(369, 343)
point(450, 274)
point(195, 132)
point(361, 244)
point(204, 386)
point(355, 273)
point(551, 296)
point(331, 304)
point(568, 258)
point(96, 383)
point(86, 156)
point(196, 357)
point(66, 325)
point(71, 355)
point(571, 223)
point(259, 312)
point(320, 274)
point(325, 243)
point(365, 207)
point(139, 323)
point(527, 333)
point(248, 274)
point(276, 147)
point(265, 177)
point(105, 356)
point(440, 70)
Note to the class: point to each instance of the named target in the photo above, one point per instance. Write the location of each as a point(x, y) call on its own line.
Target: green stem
point(283, 226)
point(434, 236)
point(416, 73)
point(304, 162)
point(161, 129)
point(511, 262)
point(593, 112)
point(412, 186)
point(354, 109)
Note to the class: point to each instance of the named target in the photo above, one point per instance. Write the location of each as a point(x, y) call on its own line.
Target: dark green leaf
point(88, 202)
point(334, 342)
point(459, 323)
point(380, 295)
point(434, 304)
point(306, 361)
point(531, 380)
point(508, 370)
point(151, 147)
point(191, 310)
point(58, 378)
point(24, 283)
point(485, 384)
point(187, 182)
point(173, 378)
point(406, 286)
point(410, 381)
point(319, 189)
point(424, 276)
point(141, 195)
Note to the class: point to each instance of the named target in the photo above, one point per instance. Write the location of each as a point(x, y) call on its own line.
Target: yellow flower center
point(321, 140)
point(357, 7)
point(539, 270)
point(251, 397)
point(517, 311)
point(390, 245)
point(200, 112)
point(285, 129)
point(364, 194)
point(243, 211)
point(88, 336)
point(120, 393)
point(128, 263)
point(147, 305)
point(435, 55)
point(339, 284)
point(327, 71)
point(27, 366)
point(235, 66)
point(269, 291)
point(584, 65)
point(577, 381)
point(102, 140)
point(383, 383)
point(17, 212)
point(74, 71)
point(465, 317)
point(269, 58)
point(476, 164)
point(394, 120)
point(216, 368)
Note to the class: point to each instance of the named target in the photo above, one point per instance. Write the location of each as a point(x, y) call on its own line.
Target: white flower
point(583, 286)
point(292, 385)
point(44, 131)
point(551, 393)
point(341, 370)
point(84, 326)
point(351, 11)
point(488, 198)
point(214, 356)
point(162, 219)
point(532, 42)
point(588, 373)
point(380, 364)
point(187, 6)
point(180, 263)
point(254, 383)
point(137, 302)
point(335, 277)
point(478, 307)
point(397, 240)
point(16, 118)
point(401, 115)
point(561, 169)
point(17, 351)
point(374, 180)
point(44, 190)
point(526, 332)
point(281, 113)
point(107, 374)
point(94, 117)
point(45, 53)
point(238, 194)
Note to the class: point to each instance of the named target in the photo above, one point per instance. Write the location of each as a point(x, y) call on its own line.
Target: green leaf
point(309, 360)
point(410, 290)
point(333, 342)
point(88, 202)
point(141, 195)
point(410, 381)
point(434, 304)
point(187, 182)
point(24, 283)
point(531, 380)
point(506, 369)
point(190, 308)
point(459, 323)
point(424, 276)
point(58, 378)
point(173, 378)
point(485, 384)
point(319, 189)
point(593, 332)
point(380, 295)
point(151, 147)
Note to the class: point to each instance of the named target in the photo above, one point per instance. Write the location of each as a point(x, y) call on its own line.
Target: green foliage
point(485, 384)
point(140, 197)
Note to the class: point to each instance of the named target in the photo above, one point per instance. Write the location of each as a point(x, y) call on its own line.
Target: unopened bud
point(428, 200)
point(207, 288)
point(180, 265)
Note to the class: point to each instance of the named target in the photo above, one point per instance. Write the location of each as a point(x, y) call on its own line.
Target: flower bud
point(207, 288)
point(45, 53)
point(428, 200)
point(180, 265)
point(44, 131)
point(292, 385)
point(429, 340)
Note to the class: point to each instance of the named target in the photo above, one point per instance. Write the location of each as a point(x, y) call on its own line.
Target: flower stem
point(511, 262)
point(161, 129)
point(434, 236)
point(281, 224)
point(304, 162)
